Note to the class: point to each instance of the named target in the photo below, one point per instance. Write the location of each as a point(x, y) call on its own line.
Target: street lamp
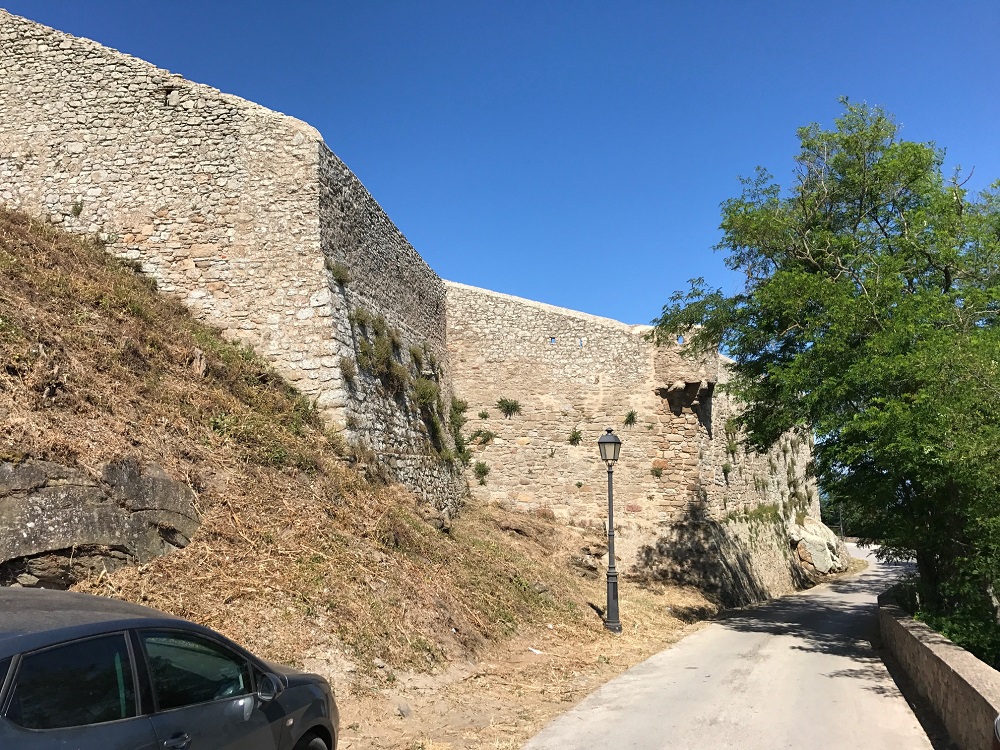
point(610, 446)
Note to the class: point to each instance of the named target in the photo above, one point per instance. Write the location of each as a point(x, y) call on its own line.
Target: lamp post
point(610, 446)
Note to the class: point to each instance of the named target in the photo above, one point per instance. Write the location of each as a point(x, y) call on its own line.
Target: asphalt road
point(798, 673)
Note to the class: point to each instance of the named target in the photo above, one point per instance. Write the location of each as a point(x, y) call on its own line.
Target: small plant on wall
point(508, 407)
point(575, 437)
point(348, 369)
point(338, 272)
point(482, 437)
point(481, 470)
point(631, 418)
point(656, 471)
point(484, 414)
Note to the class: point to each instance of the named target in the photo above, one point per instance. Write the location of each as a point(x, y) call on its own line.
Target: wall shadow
point(702, 551)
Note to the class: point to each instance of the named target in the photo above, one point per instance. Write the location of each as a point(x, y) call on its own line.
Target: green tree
point(869, 315)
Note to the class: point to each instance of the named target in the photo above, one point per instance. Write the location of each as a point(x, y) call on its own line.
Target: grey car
point(82, 672)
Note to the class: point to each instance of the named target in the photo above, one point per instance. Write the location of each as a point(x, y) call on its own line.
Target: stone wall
point(684, 486)
point(962, 690)
point(386, 278)
point(246, 215)
point(236, 209)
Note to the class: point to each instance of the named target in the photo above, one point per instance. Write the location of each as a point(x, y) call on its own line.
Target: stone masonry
point(242, 212)
point(683, 481)
point(254, 222)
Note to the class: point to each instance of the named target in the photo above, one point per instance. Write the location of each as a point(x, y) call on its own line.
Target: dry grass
point(297, 546)
point(301, 556)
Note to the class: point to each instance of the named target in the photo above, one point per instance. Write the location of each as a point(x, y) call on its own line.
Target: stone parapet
point(963, 691)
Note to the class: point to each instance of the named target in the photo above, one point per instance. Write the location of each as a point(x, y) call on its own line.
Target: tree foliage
point(869, 313)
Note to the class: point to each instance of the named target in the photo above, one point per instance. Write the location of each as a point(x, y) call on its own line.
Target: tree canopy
point(869, 315)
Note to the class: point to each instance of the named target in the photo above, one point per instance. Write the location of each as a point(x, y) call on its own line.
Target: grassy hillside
point(301, 545)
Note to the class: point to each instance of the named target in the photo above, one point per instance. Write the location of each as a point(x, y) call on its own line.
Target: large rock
point(58, 523)
point(818, 547)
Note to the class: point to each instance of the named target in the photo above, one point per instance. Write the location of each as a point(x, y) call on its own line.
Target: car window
point(83, 682)
point(187, 669)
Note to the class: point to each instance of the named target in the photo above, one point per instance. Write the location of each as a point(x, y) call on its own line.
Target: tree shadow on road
point(841, 619)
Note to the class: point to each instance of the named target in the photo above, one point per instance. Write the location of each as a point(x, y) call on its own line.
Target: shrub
point(338, 271)
point(630, 418)
point(508, 407)
point(484, 414)
point(417, 355)
point(656, 471)
point(348, 369)
point(575, 437)
point(485, 437)
point(456, 415)
point(425, 393)
point(481, 470)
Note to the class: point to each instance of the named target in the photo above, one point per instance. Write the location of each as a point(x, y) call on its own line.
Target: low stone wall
point(962, 690)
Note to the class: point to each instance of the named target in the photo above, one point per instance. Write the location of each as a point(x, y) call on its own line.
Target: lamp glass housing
point(610, 446)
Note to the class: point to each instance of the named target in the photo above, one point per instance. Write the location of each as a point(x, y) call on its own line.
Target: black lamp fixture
point(610, 446)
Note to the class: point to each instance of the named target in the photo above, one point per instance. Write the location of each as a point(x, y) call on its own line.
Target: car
point(82, 672)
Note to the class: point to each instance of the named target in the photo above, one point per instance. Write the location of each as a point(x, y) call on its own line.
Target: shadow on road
point(841, 619)
point(837, 618)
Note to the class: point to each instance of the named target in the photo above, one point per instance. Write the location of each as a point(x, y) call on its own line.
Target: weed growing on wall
point(656, 471)
point(484, 414)
point(425, 393)
point(348, 370)
point(338, 271)
point(630, 418)
point(482, 437)
point(380, 356)
point(575, 437)
point(456, 421)
point(508, 407)
point(417, 357)
point(481, 470)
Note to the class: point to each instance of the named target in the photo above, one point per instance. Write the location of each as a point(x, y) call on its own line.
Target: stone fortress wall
point(242, 212)
point(247, 216)
point(685, 488)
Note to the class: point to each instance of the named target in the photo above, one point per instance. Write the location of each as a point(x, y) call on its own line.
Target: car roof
point(34, 618)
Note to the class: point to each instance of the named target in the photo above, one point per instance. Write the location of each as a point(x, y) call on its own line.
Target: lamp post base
point(611, 621)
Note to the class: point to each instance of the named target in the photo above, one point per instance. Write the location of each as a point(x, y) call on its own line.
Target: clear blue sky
point(573, 151)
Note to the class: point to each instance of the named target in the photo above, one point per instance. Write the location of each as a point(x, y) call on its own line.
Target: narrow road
point(798, 672)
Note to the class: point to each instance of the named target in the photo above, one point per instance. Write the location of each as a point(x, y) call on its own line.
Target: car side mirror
point(269, 687)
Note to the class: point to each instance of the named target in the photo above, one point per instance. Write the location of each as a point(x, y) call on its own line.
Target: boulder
point(58, 522)
point(818, 547)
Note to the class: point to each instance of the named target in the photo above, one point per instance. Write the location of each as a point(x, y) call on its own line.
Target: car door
point(203, 693)
point(79, 695)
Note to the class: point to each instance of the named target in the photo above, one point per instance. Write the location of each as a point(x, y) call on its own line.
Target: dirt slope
point(304, 554)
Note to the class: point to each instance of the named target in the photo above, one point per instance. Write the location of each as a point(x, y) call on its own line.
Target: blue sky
point(574, 151)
